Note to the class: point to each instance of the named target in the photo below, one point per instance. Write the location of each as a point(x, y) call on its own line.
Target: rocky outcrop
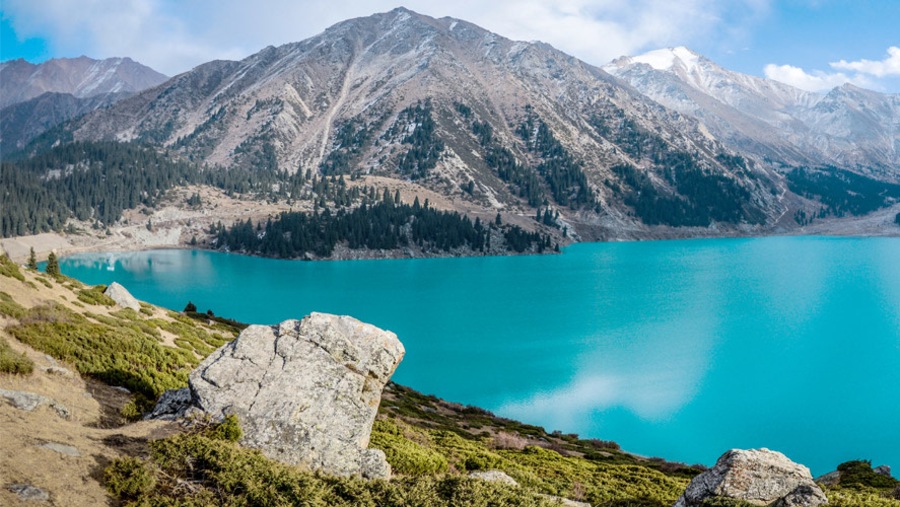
point(172, 405)
point(759, 477)
point(28, 402)
point(122, 297)
point(305, 392)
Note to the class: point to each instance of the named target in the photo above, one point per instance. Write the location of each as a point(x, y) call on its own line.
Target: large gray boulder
point(759, 477)
point(305, 392)
point(122, 297)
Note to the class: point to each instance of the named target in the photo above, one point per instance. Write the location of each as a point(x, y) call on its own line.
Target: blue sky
point(814, 44)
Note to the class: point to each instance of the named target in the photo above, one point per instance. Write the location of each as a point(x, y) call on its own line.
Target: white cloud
point(174, 36)
point(890, 66)
point(864, 73)
point(815, 81)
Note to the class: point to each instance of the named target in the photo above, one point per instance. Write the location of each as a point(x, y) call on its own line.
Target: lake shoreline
point(136, 238)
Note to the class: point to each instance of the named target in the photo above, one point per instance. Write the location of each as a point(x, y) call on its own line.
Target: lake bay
point(678, 349)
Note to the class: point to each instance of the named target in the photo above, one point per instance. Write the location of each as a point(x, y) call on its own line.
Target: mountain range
point(36, 97)
point(849, 126)
point(659, 142)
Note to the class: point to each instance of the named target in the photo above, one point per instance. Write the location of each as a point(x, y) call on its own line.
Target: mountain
point(502, 124)
point(848, 127)
point(23, 121)
point(82, 77)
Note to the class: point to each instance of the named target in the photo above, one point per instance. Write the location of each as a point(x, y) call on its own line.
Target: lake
point(678, 349)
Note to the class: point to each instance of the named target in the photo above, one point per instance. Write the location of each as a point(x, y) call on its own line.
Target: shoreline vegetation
point(433, 445)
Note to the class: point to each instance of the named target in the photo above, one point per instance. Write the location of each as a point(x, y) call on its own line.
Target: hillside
point(69, 344)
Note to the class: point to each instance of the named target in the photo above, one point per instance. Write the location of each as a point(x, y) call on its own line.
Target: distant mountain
point(81, 77)
point(849, 126)
point(465, 112)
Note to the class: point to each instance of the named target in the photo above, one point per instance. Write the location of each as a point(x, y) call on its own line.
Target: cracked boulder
point(305, 392)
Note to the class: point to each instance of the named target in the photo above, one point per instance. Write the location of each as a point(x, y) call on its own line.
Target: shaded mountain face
point(81, 77)
point(461, 110)
point(23, 121)
point(849, 126)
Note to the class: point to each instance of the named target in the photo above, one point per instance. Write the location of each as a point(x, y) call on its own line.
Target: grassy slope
point(431, 444)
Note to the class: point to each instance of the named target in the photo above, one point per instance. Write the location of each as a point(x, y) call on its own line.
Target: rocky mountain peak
point(81, 77)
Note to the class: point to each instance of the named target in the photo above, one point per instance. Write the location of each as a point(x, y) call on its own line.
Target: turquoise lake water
point(678, 349)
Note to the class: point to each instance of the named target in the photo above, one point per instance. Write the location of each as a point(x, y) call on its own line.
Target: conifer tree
point(32, 260)
point(52, 268)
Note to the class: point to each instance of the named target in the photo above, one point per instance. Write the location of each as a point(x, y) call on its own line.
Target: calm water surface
point(679, 349)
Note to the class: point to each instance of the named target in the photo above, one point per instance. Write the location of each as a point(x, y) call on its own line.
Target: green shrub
point(129, 478)
point(95, 296)
point(14, 362)
point(9, 307)
point(10, 269)
point(404, 455)
point(221, 472)
point(859, 474)
point(228, 430)
point(112, 353)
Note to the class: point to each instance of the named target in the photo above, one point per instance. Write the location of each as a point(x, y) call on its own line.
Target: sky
point(811, 44)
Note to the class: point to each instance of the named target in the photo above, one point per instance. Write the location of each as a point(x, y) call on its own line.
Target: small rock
point(68, 450)
point(23, 400)
point(121, 389)
point(122, 297)
point(565, 502)
point(884, 470)
point(494, 476)
point(28, 402)
point(374, 465)
point(802, 496)
point(829, 479)
point(173, 404)
point(757, 476)
point(58, 370)
point(28, 492)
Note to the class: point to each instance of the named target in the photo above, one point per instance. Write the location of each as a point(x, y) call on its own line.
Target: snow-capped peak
point(665, 59)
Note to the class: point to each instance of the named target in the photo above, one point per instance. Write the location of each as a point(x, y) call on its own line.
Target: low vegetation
point(14, 362)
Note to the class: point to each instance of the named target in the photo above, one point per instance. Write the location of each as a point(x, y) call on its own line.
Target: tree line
point(384, 225)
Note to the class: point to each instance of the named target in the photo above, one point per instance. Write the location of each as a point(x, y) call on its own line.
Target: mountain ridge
point(848, 126)
point(283, 109)
point(82, 77)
